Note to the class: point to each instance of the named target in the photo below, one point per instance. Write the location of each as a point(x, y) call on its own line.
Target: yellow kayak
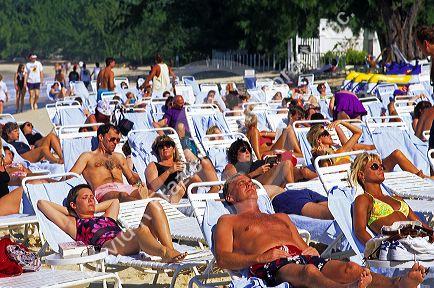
point(397, 79)
point(352, 75)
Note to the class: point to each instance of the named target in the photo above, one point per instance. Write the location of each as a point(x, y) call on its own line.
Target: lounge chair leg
point(154, 282)
point(104, 282)
point(175, 276)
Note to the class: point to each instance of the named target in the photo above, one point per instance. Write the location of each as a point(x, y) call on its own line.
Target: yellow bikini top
point(381, 209)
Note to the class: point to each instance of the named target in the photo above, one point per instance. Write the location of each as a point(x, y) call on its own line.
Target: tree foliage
point(137, 29)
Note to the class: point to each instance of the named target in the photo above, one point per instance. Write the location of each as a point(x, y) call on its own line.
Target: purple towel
point(349, 103)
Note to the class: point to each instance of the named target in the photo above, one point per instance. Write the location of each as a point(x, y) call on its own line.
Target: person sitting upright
point(240, 159)
point(11, 134)
point(103, 169)
point(270, 246)
point(373, 208)
point(166, 174)
point(78, 220)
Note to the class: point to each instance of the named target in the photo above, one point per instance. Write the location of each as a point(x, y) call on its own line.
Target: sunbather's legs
point(411, 280)
point(140, 239)
point(39, 153)
point(189, 156)
point(156, 220)
point(207, 174)
point(398, 158)
point(342, 115)
point(180, 129)
point(279, 175)
point(316, 210)
point(288, 141)
point(52, 141)
point(10, 203)
point(310, 276)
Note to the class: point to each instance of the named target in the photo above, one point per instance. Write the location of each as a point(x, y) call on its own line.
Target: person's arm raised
point(58, 215)
point(109, 207)
point(348, 145)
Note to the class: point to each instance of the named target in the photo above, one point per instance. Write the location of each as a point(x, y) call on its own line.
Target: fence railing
point(235, 59)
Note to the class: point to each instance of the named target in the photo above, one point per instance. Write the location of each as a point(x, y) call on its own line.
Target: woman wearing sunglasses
point(167, 174)
point(35, 139)
point(373, 209)
point(322, 144)
point(240, 160)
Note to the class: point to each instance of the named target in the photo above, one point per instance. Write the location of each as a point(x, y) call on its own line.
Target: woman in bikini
point(262, 141)
point(322, 144)
point(78, 220)
point(374, 209)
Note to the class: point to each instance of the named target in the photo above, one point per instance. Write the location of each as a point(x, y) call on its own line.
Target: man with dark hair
point(160, 77)
point(103, 169)
point(106, 78)
point(270, 246)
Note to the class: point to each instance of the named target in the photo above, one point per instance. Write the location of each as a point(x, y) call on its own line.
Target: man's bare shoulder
point(282, 216)
point(227, 219)
point(118, 155)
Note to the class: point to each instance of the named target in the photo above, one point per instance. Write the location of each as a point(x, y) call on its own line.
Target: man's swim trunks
point(114, 186)
point(268, 271)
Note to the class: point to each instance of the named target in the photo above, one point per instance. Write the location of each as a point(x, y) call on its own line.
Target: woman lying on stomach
point(78, 220)
point(374, 209)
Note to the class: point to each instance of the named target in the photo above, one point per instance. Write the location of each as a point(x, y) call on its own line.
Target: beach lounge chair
point(119, 80)
point(57, 191)
point(309, 77)
point(58, 278)
point(202, 117)
point(264, 82)
point(207, 210)
point(186, 91)
point(400, 138)
point(372, 105)
point(235, 120)
point(257, 94)
point(384, 92)
point(68, 114)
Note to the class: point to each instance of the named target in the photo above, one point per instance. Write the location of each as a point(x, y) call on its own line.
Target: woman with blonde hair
point(262, 141)
point(373, 208)
point(322, 143)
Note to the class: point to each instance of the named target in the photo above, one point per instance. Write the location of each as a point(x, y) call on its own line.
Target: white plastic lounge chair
point(69, 114)
point(57, 191)
point(223, 87)
point(207, 209)
point(119, 80)
point(264, 82)
point(309, 77)
point(385, 93)
point(202, 117)
point(186, 91)
point(257, 94)
point(57, 278)
point(426, 134)
point(400, 138)
point(235, 120)
point(372, 105)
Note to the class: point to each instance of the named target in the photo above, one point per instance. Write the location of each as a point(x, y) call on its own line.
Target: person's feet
point(365, 278)
point(173, 256)
point(414, 277)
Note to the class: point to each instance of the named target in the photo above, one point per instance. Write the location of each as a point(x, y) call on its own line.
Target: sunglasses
point(115, 140)
point(165, 145)
point(243, 149)
point(376, 166)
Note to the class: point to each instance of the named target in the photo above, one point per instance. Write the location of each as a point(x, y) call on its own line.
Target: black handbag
point(124, 125)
